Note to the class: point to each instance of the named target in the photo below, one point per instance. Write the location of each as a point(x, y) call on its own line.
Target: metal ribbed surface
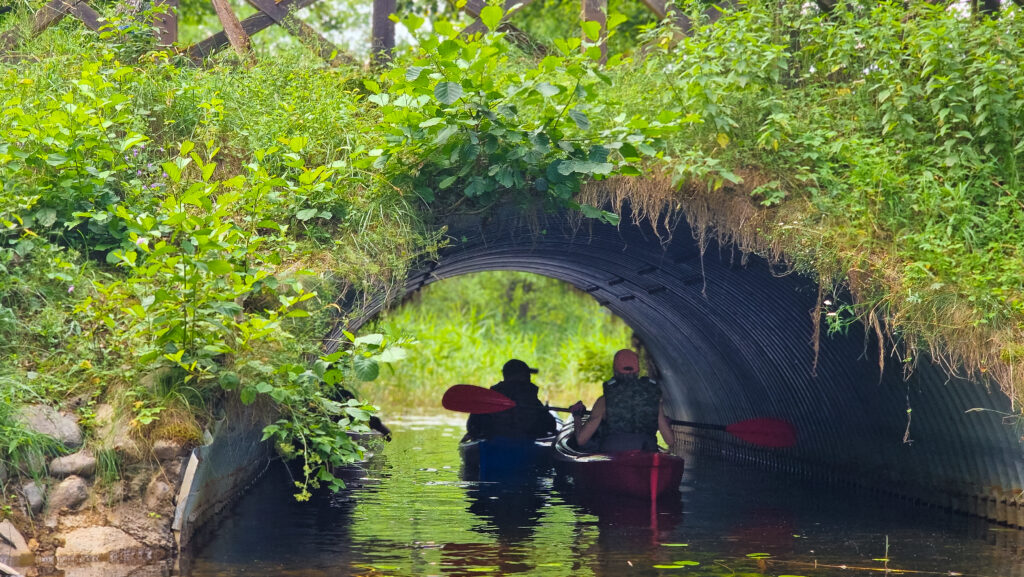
point(734, 342)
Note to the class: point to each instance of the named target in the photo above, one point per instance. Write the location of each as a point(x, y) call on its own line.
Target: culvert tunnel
point(733, 339)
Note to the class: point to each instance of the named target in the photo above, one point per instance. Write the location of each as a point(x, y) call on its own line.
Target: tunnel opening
point(461, 330)
point(733, 337)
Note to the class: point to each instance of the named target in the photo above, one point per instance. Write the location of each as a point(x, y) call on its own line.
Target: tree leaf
point(581, 119)
point(220, 267)
point(548, 90)
point(592, 29)
point(447, 92)
point(491, 17)
point(413, 72)
point(391, 355)
point(248, 395)
point(366, 368)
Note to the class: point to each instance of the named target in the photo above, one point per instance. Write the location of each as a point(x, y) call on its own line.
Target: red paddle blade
point(476, 400)
point(764, 432)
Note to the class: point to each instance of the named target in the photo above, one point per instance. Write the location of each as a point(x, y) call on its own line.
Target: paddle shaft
point(711, 426)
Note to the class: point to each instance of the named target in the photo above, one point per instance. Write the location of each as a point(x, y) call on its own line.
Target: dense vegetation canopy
point(199, 222)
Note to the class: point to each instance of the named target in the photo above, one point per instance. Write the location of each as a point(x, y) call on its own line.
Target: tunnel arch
point(732, 337)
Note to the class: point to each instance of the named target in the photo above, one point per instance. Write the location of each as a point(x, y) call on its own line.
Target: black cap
point(517, 368)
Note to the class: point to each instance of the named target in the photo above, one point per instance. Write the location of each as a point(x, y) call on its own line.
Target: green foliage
point(889, 137)
point(886, 137)
point(465, 119)
point(132, 252)
point(467, 327)
point(70, 151)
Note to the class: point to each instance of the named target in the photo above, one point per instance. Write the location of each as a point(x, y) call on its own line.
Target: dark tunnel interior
point(733, 339)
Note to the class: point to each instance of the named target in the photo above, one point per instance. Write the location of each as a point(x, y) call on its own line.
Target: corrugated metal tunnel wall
point(734, 341)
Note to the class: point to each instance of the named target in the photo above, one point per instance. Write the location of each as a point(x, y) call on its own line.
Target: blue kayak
point(504, 456)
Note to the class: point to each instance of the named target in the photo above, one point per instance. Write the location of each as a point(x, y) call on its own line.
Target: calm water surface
point(408, 512)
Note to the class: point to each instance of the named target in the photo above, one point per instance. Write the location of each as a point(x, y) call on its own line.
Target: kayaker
point(628, 415)
point(528, 419)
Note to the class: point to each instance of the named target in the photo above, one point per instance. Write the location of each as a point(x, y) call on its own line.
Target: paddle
point(760, 431)
point(480, 400)
point(476, 400)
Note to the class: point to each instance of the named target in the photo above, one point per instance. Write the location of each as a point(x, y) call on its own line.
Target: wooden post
point(597, 11)
point(167, 23)
point(236, 35)
point(382, 35)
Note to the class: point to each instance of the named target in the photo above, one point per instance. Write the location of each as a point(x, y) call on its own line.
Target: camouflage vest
point(631, 405)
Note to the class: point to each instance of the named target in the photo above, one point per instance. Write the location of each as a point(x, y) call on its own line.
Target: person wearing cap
point(628, 415)
point(529, 419)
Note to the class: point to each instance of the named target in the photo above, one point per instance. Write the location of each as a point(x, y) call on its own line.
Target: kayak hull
point(639, 474)
point(501, 456)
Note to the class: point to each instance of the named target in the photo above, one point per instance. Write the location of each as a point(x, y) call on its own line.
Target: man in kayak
point(529, 419)
point(628, 415)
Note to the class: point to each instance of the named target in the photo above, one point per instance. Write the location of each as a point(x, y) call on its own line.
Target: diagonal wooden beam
point(521, 39)
point(51, 13)
point(233, 28)
point(256, 23)
point(301, 30)
point(86, 14)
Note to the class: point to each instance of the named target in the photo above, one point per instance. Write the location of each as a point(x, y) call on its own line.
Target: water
point(408, 512)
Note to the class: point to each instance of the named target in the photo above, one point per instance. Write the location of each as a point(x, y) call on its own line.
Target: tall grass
point(467, 327)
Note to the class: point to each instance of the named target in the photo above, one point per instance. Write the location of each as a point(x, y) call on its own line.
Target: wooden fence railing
point(236, 33)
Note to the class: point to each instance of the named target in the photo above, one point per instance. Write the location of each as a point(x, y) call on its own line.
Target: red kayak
point(640, 474)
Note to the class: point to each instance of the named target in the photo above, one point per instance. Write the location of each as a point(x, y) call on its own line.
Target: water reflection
point(411, 511)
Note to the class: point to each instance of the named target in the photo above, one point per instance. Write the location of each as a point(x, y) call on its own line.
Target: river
point(408, 512)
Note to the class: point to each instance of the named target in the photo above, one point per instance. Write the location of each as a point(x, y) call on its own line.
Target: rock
point(48, 421)
point(34, 493)
point(112, 433)
point(166, 449)
point(13, 546)
point(70, 493)
point(81, 463)
point(90, 544)
point(159, 493)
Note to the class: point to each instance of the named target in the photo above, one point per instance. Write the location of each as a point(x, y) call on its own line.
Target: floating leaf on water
point(482, 569)
point(386, 567)
point(758, 555)
point(675, 544)
point(883, 559)
point(670, 566)
point(687, 563)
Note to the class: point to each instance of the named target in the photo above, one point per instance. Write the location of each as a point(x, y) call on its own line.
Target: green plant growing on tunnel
point(464, 120)
point(318, 410)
